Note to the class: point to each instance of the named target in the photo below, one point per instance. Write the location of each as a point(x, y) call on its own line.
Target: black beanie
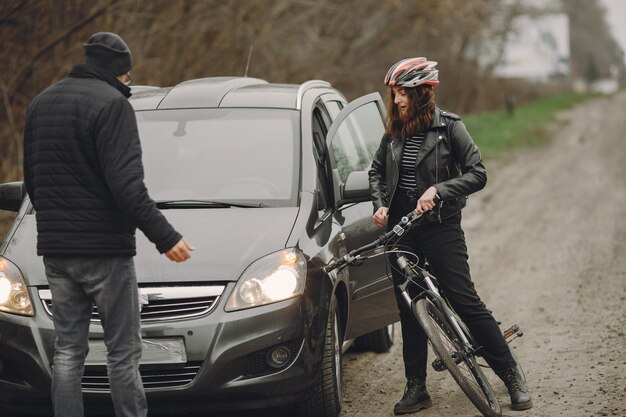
point(109, 51)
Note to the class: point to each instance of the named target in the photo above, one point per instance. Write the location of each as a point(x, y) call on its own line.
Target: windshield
point(229, 155)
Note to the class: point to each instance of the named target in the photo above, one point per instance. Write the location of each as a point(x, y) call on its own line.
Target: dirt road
point(547, 243)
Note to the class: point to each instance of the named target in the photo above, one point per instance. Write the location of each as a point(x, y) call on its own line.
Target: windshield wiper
point(167, 204)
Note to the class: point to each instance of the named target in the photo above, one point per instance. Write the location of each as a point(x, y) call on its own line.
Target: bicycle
point(449, 337)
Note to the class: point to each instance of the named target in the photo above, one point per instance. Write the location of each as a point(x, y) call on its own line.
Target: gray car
point(269, 182)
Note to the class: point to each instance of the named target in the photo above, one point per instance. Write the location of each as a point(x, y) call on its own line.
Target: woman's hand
point(380, 217)
point(427, 201)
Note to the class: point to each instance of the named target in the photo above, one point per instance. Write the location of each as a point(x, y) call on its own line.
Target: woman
point(428, 162)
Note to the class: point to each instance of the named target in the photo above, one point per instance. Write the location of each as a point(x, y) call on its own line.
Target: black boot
point(515, 384)
point(415, 397)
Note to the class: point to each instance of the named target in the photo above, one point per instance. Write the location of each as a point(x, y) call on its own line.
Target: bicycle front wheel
point(463, 368)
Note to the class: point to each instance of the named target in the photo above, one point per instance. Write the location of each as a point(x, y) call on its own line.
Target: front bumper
point(226, 359)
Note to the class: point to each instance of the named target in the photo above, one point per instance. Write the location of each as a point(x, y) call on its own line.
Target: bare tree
point(350, 43)
point(594, 51)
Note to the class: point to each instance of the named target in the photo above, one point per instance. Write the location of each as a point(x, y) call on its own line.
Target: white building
point(537, 49)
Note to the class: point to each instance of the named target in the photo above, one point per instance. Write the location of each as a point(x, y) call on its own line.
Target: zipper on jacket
point(395, 163)
point(439, 139)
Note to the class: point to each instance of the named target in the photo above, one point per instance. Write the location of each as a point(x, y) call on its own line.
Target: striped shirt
point(407, 166)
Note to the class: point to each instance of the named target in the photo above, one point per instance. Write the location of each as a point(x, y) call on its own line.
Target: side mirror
point(11, 195)
point(356, 189)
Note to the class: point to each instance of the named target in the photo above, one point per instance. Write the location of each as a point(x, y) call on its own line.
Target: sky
point(616, 16)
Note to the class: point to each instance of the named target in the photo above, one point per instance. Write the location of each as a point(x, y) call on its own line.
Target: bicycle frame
point(435, 316)
point(432, 293)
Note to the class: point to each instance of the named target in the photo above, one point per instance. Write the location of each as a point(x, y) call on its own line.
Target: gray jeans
point(109, 282)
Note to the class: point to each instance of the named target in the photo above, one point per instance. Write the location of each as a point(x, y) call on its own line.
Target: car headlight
point(275, 277)
point(14, 296)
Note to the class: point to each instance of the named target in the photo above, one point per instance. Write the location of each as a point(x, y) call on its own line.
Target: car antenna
point(248, 62)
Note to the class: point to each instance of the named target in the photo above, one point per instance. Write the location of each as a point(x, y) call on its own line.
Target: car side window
point(321, 121)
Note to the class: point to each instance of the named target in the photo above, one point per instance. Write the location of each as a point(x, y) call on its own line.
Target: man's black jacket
point(83, 170)
point(448, 159)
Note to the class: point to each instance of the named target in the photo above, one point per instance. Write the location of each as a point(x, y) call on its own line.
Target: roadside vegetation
point(498, 132)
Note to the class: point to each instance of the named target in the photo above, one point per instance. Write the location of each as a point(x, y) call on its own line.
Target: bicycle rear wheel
point(449, 349)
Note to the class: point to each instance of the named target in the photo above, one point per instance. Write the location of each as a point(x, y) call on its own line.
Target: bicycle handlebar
point(398, 230)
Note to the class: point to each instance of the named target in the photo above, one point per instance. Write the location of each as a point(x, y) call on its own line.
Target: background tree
point(350, 43)
point(593, 49)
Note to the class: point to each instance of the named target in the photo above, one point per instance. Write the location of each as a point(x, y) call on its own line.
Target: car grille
point(95, 377)
point(163, 303)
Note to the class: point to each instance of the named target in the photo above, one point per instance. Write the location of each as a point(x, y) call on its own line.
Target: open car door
point(353, 139)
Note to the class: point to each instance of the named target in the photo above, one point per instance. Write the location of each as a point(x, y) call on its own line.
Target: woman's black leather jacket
point(448, 159)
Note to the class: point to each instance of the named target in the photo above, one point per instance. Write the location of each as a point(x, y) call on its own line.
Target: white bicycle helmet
point(412, 72)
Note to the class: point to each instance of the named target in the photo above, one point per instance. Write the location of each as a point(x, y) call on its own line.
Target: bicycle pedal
point(513, 330)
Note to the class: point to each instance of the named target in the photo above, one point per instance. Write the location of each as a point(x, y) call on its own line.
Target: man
point(84, 175)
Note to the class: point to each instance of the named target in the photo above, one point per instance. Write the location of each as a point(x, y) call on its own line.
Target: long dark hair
point(419, 116)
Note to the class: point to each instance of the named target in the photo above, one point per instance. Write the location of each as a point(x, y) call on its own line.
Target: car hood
point(226, 241)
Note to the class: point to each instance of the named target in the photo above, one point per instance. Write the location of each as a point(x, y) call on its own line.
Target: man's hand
point(180, 251)
point(427, 201)
point(380, 217)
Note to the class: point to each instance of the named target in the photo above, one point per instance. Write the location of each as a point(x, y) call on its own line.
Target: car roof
point(222, 92)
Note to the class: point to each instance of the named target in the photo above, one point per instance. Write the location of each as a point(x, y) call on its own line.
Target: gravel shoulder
point(547, 244)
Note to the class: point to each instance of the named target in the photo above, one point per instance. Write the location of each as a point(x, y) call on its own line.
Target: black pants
point(443, 246)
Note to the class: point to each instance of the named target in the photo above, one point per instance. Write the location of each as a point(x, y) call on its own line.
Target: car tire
point(323, 399)
point(379, 340)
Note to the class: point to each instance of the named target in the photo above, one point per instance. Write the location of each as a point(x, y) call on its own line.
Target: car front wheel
point(324, 397)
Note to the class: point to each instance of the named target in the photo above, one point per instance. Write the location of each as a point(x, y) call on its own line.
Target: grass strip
point(499, 132)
